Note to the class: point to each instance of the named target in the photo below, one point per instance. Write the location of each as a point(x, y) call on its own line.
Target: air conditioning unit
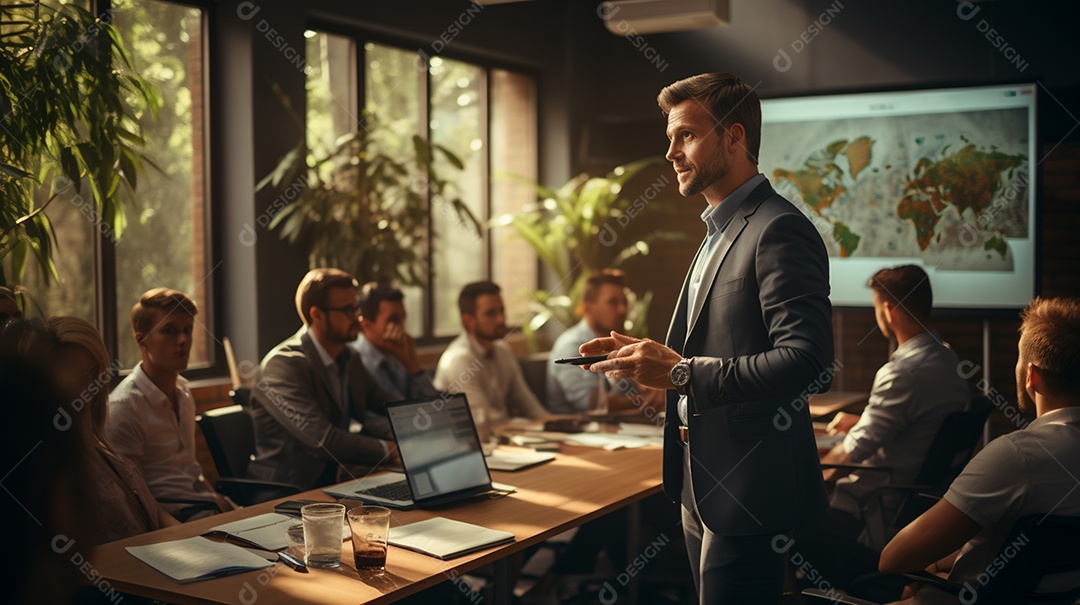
point(656, 16)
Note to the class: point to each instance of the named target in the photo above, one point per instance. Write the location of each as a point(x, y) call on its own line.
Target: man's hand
point(842, 423)
point(645, 361)
point(398, 343)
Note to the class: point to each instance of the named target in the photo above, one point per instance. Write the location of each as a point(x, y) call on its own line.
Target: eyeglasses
point(349, 311)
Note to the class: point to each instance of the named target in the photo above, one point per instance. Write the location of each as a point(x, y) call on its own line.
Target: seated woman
point(124, 506)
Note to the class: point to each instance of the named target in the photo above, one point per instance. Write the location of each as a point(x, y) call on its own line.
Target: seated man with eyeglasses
point(312, 386)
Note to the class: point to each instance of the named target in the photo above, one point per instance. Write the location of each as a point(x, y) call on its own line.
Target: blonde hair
point(75, 332)
point(165, 300)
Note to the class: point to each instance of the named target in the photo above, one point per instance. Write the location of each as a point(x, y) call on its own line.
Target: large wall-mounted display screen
point(942, 178)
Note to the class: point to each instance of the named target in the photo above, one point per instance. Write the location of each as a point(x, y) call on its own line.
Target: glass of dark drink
point(370, 527)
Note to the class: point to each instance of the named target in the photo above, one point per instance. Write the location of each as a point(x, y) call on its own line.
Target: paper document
point(506, 459)
point(612, 441)
point(197, 559)
point(445, 538)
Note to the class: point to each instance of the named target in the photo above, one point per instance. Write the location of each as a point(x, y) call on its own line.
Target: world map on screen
point(949, 188)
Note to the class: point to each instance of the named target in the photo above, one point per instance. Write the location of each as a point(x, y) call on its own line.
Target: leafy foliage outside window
point(70, 102)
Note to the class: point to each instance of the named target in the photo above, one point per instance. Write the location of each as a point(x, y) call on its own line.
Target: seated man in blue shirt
point(387, 350)
point(573, 391)
point(911, 396)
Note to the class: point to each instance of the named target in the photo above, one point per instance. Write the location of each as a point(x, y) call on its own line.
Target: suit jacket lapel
point(676, 334)
point(731, 233)
point(708, 275)
point(329, 401)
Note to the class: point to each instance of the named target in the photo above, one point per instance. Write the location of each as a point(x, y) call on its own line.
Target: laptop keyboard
point(390, 491)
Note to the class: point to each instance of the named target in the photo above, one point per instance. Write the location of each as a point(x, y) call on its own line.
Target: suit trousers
point(729, 570)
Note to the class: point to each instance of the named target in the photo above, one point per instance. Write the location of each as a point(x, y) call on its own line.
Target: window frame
point(486, 62)
point(109, 320)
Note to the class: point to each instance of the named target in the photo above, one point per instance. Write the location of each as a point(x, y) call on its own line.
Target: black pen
point(292, 561)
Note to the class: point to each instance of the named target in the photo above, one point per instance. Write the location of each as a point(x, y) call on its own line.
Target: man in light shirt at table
point(151, 417)
point(479, 364)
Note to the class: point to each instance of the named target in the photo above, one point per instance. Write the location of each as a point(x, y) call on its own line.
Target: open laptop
point(440, 454)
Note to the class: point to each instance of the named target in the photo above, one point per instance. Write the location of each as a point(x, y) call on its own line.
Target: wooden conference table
point(581, 484)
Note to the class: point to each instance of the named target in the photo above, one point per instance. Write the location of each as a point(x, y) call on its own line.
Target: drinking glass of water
point(323, 523)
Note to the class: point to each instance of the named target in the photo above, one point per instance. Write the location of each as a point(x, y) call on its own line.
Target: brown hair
point(373, 294)
point(1050, 339)
point(907, 287)
point(314, 289)
point(729, 100)
point(600, 279)
point(469, 294)
point(166, 300)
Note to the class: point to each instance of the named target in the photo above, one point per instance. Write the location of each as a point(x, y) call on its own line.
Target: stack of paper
point(445, 538)
point(197, 559)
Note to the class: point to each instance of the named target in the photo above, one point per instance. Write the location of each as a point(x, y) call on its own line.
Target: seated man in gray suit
point(309, 389)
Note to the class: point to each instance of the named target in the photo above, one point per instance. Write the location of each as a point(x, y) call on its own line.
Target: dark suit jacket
point(296, 417)
point(760, 335)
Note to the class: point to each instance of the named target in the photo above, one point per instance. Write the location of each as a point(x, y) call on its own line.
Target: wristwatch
point(680, 376)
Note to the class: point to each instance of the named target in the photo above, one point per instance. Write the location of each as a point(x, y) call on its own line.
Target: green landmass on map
point(821, 181)
point(968, 178)
point(847, 238)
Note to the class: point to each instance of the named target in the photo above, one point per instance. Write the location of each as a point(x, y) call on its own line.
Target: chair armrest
point(834, 596)
point(933, 581)
point(858, 467)
point(844, 470)
point(246, 492)
point(256, 483)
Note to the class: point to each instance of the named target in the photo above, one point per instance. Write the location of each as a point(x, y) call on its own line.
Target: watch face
point(680, 374)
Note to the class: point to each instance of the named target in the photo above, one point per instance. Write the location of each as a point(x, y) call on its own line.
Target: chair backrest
point(1037, 546)
point(230, 437)
point(949, 452)
point(954, 443)
point(534, 369)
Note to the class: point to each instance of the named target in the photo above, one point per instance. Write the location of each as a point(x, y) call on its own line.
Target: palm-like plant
point(575, 231)
point(362, 209)
point(69, 101)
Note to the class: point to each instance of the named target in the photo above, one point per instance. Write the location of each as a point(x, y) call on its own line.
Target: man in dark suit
point(311, 387)
point(751, 333)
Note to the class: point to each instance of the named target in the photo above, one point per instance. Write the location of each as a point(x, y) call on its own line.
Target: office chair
point(949, 452)
point(231, 440)
point(534, 369)
point(1048, 548)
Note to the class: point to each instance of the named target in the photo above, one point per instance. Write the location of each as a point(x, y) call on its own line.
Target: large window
point(165, 241)
point(484, 115)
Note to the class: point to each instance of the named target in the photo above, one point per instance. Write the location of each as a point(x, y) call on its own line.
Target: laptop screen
point(439, 446)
